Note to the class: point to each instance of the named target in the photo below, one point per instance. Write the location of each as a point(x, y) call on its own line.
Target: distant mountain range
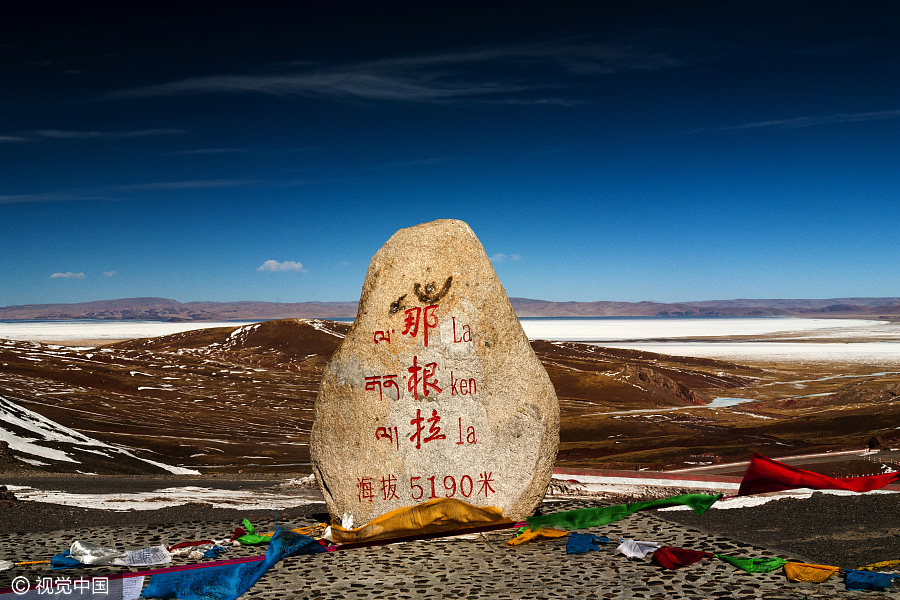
point(165, 309)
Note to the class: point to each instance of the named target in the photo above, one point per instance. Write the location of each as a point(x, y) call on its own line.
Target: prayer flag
point(604, 515)
point(636, 548)
point(674, 558)
point(868, 580)
point(767, 475)
point(885, 564)
point(810, 573)
point(754, 565)
point(230, 581)
point(251, 538)
point(529, 534)
point(579, 543)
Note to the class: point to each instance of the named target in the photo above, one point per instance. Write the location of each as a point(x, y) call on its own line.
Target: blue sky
point(630, 151)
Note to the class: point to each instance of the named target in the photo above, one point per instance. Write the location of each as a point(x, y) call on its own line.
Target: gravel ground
point(475, 567)
point(846, 531)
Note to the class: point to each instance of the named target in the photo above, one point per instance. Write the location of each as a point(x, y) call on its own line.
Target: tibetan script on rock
point(435, 391)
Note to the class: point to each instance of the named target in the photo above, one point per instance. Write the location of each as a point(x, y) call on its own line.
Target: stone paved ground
point(478, 566)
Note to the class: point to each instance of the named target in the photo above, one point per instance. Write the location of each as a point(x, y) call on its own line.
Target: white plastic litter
point(637, 549)
point(89, 553)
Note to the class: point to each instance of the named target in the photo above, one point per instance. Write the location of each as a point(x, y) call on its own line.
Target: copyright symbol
point(20, 585)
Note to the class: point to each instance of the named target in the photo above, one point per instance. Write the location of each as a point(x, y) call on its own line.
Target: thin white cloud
point(65, 134)
point(483, 74)
point(27, 198)
point(115, 193)
point(274, 266)
point(182, 185)
point(500, 257)
point(51, 197)
point(108, 273)
point(207, 151)
point(799, 122)
point(67, 275)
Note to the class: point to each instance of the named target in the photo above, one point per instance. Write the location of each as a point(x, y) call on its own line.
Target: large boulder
point(435, 391)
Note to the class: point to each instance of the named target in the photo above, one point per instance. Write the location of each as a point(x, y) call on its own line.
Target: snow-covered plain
point(44, 331)
point(647, 329)
point(773, 338)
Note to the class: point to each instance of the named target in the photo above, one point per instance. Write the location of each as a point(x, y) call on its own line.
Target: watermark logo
point(20, 585)
point(49, 586)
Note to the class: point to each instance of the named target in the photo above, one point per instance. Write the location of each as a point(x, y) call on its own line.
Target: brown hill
point(241, 398)
point(172, 310)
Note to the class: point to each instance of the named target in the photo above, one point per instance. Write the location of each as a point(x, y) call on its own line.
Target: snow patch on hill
point(35, 439)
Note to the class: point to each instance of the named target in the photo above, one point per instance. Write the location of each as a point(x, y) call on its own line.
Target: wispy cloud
point(67, 275)
point(193, 184)
point(108, 273)
point(502, 258)
point(484, 74)
point(800, 122)
point(38, 135)
point(273, 266)
point(50, 197)
point(120, 192)
point(207, 151)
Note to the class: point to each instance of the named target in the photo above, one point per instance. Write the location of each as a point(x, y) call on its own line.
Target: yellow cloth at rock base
point(811, 573)
point(531, 534)
point(885, 564)
point(434, 516)
point(311, 531)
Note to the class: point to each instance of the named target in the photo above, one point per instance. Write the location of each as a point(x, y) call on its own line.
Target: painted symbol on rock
point(470, 434)
point(389, 488)
point(427, 487)
point(379, 382)
point(364, 488)
point(396, 305)
point(388, 432)
point(434, 430)
point(414, 316)
point(423, 375)
point(429, 292)
point(465, 332)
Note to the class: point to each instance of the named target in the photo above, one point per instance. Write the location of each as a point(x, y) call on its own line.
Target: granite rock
point(435, 390)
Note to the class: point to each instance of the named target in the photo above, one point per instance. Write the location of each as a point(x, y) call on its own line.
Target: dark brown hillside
point(229, 399)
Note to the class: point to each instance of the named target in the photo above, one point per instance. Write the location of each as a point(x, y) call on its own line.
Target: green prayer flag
point(252, 538)
point(754, 565)
point(603, 515)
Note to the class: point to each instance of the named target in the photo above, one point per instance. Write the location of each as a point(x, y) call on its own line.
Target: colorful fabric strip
point(579, 543)
point(604, 515)
point(809, 573)
point(867, 580)
point(675, 558)
point(767, 475)
point(754, 565)
point(228, 582)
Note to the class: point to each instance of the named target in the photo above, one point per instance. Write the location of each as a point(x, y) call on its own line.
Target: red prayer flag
point(767, 475)
point(673, 558)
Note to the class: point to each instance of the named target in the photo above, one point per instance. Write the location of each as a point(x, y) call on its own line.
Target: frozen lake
point(782, 339)
point(64, 331)
point(770, 339)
